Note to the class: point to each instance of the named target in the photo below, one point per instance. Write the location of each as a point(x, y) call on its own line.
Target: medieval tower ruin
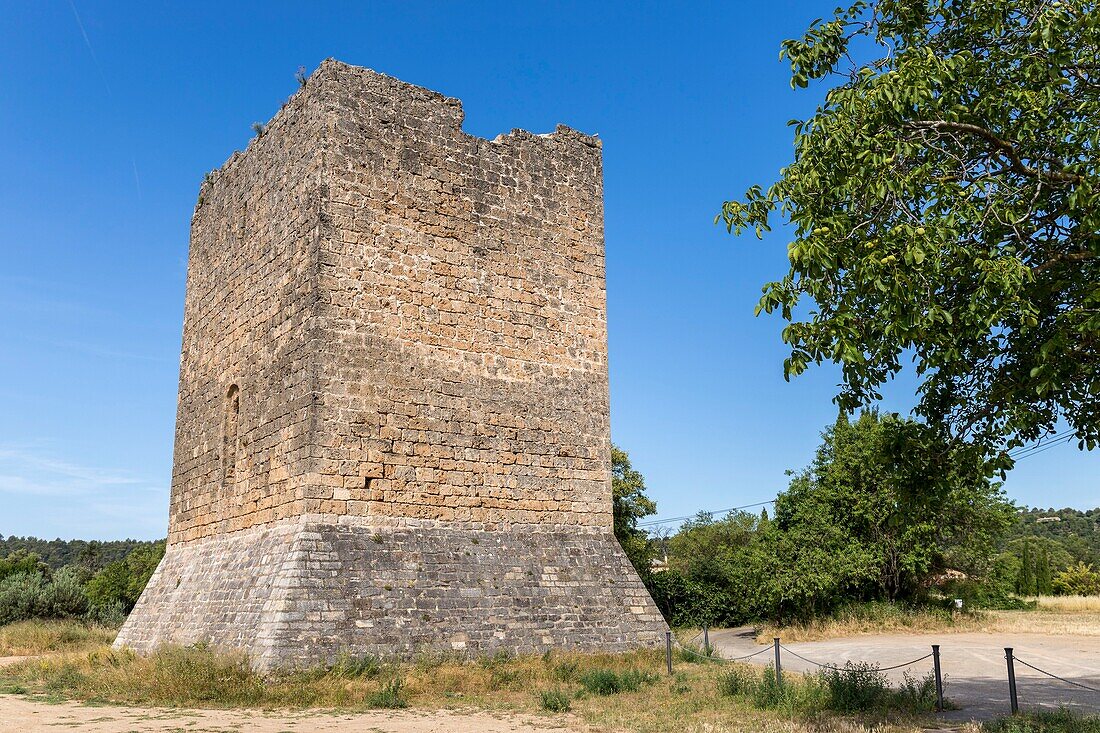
point(392, 431)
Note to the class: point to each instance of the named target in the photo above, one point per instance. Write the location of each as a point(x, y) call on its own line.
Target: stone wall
point(393, 422)
point(250, 324)
point(462, 294)
point(401, 319)
point(303, 592)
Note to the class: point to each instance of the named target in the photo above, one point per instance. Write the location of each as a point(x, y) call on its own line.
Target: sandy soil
point(21, 715)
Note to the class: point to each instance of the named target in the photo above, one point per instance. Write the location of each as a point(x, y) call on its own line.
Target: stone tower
point(392, 430)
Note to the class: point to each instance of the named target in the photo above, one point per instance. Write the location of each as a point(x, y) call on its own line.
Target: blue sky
point(111, 113)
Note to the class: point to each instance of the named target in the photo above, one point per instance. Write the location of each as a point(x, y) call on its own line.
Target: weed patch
point(554, 701)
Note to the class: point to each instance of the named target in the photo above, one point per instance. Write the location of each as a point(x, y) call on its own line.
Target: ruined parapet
point(393, 423)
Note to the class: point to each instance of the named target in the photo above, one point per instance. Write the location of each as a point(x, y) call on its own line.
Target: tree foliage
point(122, 581)
point(884, 508)
point(629, 505)
point(944, 206)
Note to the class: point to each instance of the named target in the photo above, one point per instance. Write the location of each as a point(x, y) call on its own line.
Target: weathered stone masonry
point(393, 422)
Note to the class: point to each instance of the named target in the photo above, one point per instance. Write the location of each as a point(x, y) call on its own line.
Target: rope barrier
point(714, 658)
point(1054, 676)
point(834, 667)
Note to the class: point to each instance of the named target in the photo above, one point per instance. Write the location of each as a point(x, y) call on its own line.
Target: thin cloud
point(88, 43)
point(27, 472)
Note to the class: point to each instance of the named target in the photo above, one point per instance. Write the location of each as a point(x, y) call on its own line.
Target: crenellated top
point(335, 84)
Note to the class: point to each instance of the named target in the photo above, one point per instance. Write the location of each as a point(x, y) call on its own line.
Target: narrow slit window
point(231, 441)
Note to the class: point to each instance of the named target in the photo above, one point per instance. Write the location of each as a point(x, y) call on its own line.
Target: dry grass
point(874, 618)
point(43, 637)
point(1073, 615)
point(1068, 604)
point(194, 677)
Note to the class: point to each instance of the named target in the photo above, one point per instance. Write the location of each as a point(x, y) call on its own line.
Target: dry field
point(1075, 615)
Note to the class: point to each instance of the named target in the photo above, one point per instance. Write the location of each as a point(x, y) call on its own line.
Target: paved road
point(974, 668)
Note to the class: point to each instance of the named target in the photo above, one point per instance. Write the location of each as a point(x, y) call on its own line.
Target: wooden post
point(939, 677)
point(1013, 702)
point(778, 664)
point(706, 641)
point(668, 650)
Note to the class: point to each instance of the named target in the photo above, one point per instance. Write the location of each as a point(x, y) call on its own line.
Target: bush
point(607, 682)
point(25, 596)
point(918, 693)
point(1077, 580)
point(391, 696)
point(601, 682)
point(554, 701)
point(856, 687)
point(737, 680)
point(112, 614)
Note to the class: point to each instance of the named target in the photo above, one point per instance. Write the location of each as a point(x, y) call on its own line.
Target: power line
point(654, 523)
point(1017, 454)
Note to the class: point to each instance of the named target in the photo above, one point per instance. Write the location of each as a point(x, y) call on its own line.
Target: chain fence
point(710, 655)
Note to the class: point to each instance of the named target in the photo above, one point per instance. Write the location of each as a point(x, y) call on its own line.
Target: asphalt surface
point(974, 666)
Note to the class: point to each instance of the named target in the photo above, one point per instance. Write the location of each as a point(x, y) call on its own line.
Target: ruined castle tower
point(392, 431)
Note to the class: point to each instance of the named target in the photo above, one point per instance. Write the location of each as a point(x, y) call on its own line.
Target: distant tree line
point(100, 582)
point(57, 553)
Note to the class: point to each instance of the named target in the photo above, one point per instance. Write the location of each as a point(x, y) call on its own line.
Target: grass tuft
point(391, 696)
point(1062, 721)
point(554, 701)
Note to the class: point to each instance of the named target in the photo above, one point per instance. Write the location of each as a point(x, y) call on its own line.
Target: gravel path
point(974, 668)
point(21, 715)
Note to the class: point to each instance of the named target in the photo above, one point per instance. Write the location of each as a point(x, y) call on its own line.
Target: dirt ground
point(21, 715)
point(973, 664)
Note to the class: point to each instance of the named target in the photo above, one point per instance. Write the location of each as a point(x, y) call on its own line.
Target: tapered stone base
point(305, 591)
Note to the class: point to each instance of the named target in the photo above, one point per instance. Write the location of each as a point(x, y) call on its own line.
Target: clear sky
point(111, 113)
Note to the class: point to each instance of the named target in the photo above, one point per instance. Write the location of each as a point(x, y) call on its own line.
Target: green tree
point(629, 505)
point(121, 582)
point(883, 507)
point(23, 562)
point(1025, 582)
point(1042, 573)
point(1077, 580)
point(944, 203)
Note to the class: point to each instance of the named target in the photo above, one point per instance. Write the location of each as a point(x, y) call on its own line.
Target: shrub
point(25, 596)
point(601, 682)
point(856, 687)
point(554, 701)
point(391, 696)
point(1077, 580)
point(607, 682)
point(917, 693)
point(566, 671)
point(112, 614)
point(737, 680)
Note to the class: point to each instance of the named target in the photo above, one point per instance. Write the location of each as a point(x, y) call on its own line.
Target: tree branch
point(1003, 146)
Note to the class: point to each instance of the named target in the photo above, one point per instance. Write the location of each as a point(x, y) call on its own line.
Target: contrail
point(106, 84)
point(88, 43)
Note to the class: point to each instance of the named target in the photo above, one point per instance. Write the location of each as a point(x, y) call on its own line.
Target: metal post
point(778, 664)
point(668, 650)
point(939, 677)
point(706, 641)
point(1012, 682)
